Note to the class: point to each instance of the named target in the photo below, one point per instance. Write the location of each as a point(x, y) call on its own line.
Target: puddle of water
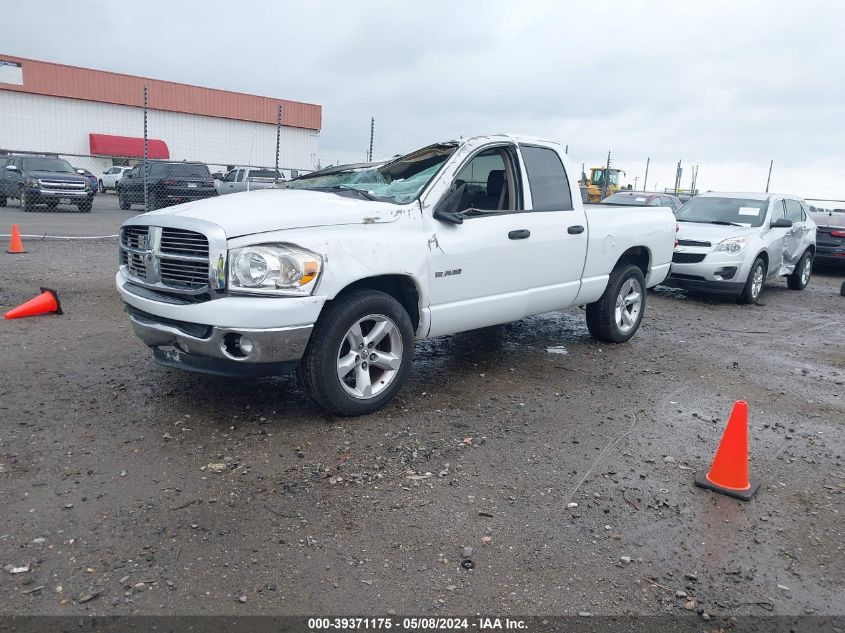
point(557, 349)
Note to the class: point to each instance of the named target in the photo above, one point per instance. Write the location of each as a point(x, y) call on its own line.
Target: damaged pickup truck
point(337, 280)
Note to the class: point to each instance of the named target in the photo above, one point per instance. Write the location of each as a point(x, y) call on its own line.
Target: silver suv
point(732, 243)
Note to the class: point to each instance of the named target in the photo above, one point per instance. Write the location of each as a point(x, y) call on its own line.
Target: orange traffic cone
point(729, 471)
point(15, 244)
point(45, 303)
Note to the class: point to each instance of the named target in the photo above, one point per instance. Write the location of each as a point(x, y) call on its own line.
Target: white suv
point(109, 178)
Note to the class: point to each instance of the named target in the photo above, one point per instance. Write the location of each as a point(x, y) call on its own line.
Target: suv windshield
point(47, 164)
point(713, 210)
point(401, 180)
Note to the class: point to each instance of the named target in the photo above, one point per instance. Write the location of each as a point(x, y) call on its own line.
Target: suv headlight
point(32, 182)
point(733, 245)
point(273, 269)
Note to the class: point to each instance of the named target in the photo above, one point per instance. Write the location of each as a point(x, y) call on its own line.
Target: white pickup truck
point(338, 280)
point(248, 179)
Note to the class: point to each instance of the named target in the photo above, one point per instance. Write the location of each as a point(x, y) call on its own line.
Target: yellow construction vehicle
point(593, 187)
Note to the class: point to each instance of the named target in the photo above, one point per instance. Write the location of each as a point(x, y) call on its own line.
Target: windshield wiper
point(360, 192)
point(723, 222)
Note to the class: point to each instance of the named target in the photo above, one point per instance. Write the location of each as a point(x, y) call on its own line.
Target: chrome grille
point(166, 258)
point(58, 185)
point(182, 242)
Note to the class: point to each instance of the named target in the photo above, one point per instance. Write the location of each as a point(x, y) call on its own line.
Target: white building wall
point(39, 123)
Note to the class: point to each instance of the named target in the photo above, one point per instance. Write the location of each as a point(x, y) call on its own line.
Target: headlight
point(273, 269)
point(733, 245)
point(32, 182)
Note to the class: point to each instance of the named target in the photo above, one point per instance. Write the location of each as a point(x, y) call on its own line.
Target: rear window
point(549, 184)
point(265, 173)
point(626, 199)
point(181, 170)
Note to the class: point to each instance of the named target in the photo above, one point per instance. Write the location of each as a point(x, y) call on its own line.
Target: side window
point(240, 175)
point(547, 178)
point(488, 182)
point(668, 202)
point(777, 210)
point(793, 210)
point(805, 210)
point(230, 177)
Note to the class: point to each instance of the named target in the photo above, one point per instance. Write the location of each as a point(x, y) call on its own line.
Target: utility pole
point(636, 178)
point(645, 180)
point(372, 132)
point(678, 173)
point(769, 179)
point(278, 142)
point(146, 150)
point(606, 177)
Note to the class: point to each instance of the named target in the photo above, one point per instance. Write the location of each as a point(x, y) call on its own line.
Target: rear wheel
point(754, 284)
point(3, 200)
point(101, 186)
point(617, 315)
point(123, 201)
point(52, 204)
point(359, 354)
point(800, 277)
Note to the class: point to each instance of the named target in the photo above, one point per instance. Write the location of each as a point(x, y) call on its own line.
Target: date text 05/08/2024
point(416, 624)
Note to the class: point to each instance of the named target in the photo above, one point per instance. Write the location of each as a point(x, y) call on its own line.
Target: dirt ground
point(128, 488)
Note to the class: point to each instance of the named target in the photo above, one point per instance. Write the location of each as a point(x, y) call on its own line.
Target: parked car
point(732, 243)
point(643, 199)
point(44, 180)
point(830, 236)
point(92, 179)
point(167, 183)
point(248, 179)
point(108, 180)
point(339, 281)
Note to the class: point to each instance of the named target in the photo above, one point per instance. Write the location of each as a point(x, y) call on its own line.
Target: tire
point(617, 315)
point(3, 200)
point(333, 340)
point(26, 204)
point(123, 201)
point(52, 204)
point(85, 207)
point(100, 187)
point(800, 277)
point(752, 289)
point(842, 289)
point(152, 201)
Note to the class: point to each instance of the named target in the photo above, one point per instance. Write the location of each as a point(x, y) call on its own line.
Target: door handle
point(520, 234)
point(575, 230)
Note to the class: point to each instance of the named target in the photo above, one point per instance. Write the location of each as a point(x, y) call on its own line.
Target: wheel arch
point(639, 256)
point(403, 288)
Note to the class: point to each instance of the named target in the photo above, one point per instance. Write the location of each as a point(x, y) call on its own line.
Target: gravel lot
point(128, 488)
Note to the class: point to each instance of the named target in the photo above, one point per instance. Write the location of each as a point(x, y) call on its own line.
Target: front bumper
point(202, 337)
point(210, 349)
point(58, 194)
point(717, 273)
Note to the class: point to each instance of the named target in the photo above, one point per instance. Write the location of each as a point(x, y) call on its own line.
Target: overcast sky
point(727, 86)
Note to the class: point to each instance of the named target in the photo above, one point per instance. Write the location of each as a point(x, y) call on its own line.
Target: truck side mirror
point(446, 209)
point(12, 168)
point(782, 223)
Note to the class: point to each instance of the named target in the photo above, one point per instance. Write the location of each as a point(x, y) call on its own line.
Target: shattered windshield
point(400, 180)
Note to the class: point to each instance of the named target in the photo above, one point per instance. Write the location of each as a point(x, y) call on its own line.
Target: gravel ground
point(128, 488)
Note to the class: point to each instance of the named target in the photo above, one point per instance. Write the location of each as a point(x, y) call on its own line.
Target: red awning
point(127, 146)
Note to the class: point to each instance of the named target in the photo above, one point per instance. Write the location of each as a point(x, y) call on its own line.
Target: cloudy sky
point(727, 86)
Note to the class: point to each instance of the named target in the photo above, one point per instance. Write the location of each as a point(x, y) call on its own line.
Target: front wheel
point(26, 201)
point(3, 200)
point(123, 201)
point(101, 187)
point(85, 207)
point(617, 315)
point(359, 354)
point(800, 277)
point(754, 284)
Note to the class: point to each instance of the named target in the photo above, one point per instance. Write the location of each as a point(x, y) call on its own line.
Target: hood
point(835, 219)
point(266, 210)
point(713, 233)
point(56, 175)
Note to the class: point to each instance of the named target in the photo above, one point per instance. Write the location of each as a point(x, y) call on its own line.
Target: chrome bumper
point(278, 345)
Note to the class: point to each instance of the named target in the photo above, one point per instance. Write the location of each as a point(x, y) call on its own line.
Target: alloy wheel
point(369, 356)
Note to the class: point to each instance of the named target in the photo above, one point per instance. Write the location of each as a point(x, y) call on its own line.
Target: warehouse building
point(95, 120)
